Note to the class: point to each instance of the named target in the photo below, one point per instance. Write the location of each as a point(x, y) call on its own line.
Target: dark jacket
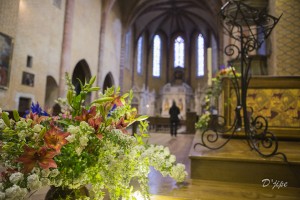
point(174, 112)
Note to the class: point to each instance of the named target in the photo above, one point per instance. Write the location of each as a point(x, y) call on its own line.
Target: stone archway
point(51, 92)
point(108, 82)
point(83, 73)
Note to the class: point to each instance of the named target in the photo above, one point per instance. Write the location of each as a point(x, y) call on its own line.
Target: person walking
point(174, 120)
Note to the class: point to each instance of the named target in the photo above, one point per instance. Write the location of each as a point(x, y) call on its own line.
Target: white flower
point(160, 148)
point(83, 141)
point(15, 193)
point(164, 173)
point(37, 128)
point(172, 159)
point(85, 128)
point(168, 163)
point(137, 195)
point(16, 177)
point(2, 196)
point(78, 150)
point(84, 125)
point(45, 181)
point(22, 135)
point(166, 151)
point(33, 182)
point(73, 129)
point(54, 173)
point(2, 124)
point(45, 172)
point(71, 138)
point(178, 172)
point(21, 123)
point(36, 170)
point(57, 183)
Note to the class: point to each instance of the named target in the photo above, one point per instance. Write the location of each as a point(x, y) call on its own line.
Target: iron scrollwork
point(248, 28)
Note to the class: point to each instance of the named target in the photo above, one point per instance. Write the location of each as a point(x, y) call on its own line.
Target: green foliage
point(213, 94)
point(85, 144)
point(203, 121)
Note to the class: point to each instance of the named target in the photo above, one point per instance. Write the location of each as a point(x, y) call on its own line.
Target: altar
point(182, 94)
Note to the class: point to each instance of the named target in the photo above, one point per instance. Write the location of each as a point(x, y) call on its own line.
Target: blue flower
point(111, 110)
point(222, 67)
point(35, 108)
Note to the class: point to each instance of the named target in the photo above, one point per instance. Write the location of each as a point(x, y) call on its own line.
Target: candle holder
point(248, 27)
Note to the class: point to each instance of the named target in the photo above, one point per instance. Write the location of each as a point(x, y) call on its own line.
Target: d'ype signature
point(274, 183)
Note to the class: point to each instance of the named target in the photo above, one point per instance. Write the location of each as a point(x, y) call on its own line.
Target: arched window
point(179, 52)
point(139, 58)
point(128, 49)
point(200, 55)
point(156, 56)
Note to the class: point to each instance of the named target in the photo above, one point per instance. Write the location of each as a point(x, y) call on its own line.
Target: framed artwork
point(6, 49)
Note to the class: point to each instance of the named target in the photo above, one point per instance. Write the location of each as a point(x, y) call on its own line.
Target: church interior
point(205, 55)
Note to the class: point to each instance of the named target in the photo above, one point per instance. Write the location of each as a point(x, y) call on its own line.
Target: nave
point(164, 188)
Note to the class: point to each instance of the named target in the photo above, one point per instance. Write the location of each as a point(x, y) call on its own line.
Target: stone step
point(196, 189)
point(236, 162)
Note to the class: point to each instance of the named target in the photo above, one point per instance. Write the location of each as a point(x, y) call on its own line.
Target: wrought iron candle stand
point(244, 24)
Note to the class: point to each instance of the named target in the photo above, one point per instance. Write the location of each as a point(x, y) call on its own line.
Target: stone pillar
point(106, 8)
point(66, 46)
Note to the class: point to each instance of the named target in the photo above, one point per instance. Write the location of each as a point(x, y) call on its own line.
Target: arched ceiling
point(171, 16)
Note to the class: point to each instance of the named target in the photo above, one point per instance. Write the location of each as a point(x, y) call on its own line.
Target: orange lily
point(95, 122)
point(99, 136)
point(117, 101)
point(36, 118)
point(86, 115)
point(121, 124)
point(43, 157)
point(55, 139)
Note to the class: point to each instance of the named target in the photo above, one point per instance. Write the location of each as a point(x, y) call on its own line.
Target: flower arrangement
point(86, 144)
point(203, 121)
point(213, 94)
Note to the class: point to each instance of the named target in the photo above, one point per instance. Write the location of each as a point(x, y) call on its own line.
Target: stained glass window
point(179, 52)
point(200, 55)
point(156, 56)
point(139, 60)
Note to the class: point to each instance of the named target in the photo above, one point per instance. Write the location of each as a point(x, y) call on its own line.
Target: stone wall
point(37, 29)
point(38, 35)
point(85, 34)
point(112, 46)
point(8, 26)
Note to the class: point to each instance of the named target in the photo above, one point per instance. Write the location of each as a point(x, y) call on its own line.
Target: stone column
point(65, 61)
point(106, 8)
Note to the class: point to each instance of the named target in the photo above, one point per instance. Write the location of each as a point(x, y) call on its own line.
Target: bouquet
point(86, 144)
point(213, 94)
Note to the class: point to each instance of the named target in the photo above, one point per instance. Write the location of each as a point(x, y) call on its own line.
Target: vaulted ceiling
point(171, 16)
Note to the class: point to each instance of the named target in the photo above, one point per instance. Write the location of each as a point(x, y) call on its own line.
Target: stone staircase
point(235, 162)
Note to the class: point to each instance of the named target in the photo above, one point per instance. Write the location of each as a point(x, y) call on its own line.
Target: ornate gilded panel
point(280, 106)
